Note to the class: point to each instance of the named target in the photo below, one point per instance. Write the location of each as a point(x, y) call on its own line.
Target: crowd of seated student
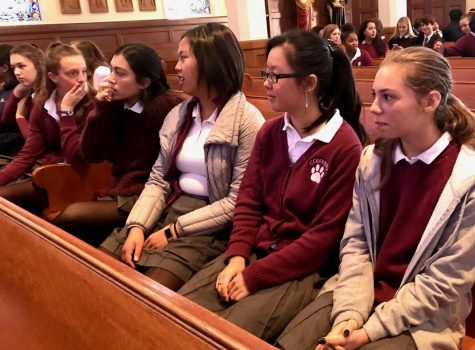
point(249, 221)
point(53, 132)
point(403, 34)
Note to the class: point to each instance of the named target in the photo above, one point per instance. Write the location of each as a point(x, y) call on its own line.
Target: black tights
point(26, 195)
point(91, 221)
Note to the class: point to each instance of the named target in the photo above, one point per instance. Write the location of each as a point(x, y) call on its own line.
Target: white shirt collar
point(325, 134)
point(357, 54)
point(472, 33)
point(50, 105)
point(197, 115)
point(428, 155)
point(137, 107)
point(430, 36)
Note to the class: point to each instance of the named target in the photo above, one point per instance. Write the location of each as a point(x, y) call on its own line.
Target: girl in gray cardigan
point(183, 216)
point(407, 266)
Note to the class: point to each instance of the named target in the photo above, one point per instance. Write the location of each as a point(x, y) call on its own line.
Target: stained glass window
point(186, 8)
point(12, 11)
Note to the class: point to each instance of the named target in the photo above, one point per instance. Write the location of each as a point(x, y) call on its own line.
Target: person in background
point(28, 64)
point(97, 67)
point(370, 39)
point(10, 137)
point(296, 192)
point(183, 216)
point(465, 23)
point(465, 46)
point(332, 33)
point(56, 119)
point(357, 56)
point(452, 30)
point(317, 30)
point(427, 37)
point(403, 35)
point(122, 128)
point(406, 258)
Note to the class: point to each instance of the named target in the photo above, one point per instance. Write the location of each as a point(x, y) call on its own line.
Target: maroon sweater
point(126, 139)
point(407, 203)
point(9, 114)
point(47, 142)
point(292, 217)
point(465, 46)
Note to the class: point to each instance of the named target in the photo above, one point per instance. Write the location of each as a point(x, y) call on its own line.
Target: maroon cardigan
point(293, 222)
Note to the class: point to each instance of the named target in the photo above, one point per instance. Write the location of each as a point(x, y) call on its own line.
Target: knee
point(72, 214)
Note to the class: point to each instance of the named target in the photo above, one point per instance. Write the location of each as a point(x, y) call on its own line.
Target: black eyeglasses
point(274, 77)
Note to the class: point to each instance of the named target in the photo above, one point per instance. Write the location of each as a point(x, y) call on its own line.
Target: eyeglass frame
point(266, 76)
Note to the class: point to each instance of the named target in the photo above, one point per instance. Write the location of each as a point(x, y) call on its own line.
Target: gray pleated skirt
point(182, 257)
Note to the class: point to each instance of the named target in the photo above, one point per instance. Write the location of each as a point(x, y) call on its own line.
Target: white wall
point(470, 4)
point(247, 18)
point(391, 10)
point(51, 12)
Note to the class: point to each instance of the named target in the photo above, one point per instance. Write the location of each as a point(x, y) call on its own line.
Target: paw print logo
point(317, 173)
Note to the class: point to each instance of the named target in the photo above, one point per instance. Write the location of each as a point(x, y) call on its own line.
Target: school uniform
point(51, 139)
point(127, 137)
point(371, 49)
point(289, 218)
point(203, 219)
point(361, 58)
point(403, 41)
point(406, 266)
point(427, 42)
point(465, 46)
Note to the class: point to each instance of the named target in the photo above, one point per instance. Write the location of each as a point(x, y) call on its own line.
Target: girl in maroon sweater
point(28, 64)
point(296, 192)
point(122, 128)
point(55, 121)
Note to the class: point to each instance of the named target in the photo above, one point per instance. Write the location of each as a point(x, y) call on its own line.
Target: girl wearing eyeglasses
point(296, 192)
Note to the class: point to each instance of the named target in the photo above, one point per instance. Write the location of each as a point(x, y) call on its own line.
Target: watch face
point(68, 112)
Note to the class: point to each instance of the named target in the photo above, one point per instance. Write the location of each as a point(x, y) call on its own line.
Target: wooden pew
point(66, 184)
point(57, 292)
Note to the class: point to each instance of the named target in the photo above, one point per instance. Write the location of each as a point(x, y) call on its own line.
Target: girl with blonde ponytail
point(406, 258)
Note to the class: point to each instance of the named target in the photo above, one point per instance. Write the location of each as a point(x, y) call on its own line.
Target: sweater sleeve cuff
point(348, 315)
point(252, 276)
point(68, 121)
point(240, 249)
point(374, 329)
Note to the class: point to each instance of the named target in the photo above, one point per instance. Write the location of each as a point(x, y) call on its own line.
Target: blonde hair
point(410, 32)
point(425, 71)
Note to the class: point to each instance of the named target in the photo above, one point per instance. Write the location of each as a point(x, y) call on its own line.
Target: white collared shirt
point(137, 107)
point(428, 38)
point(298, 146)
point(191, 158)
point(357, 54)
point(50, 106)
point(429, 155)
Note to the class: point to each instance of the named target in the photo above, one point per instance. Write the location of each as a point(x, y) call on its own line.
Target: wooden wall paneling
point(98, 6)
point(57, 292)
point(69, 7)
point(363, 10)
point(147, 5)
point(159, 34)
point(124, 5)
point(439, 9)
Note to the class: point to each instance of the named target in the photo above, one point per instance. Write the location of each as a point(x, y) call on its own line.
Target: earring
point(306, 100)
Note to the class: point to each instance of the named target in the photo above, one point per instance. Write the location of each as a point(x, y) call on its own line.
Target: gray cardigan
point(434, 297)
point(227, 151)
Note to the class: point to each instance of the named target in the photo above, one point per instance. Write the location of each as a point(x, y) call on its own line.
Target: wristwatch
point(66, 112)
point(168, 234)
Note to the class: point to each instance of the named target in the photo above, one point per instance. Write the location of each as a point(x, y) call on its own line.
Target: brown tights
point(165, 278)
point(91, 221)
point(25, 195)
